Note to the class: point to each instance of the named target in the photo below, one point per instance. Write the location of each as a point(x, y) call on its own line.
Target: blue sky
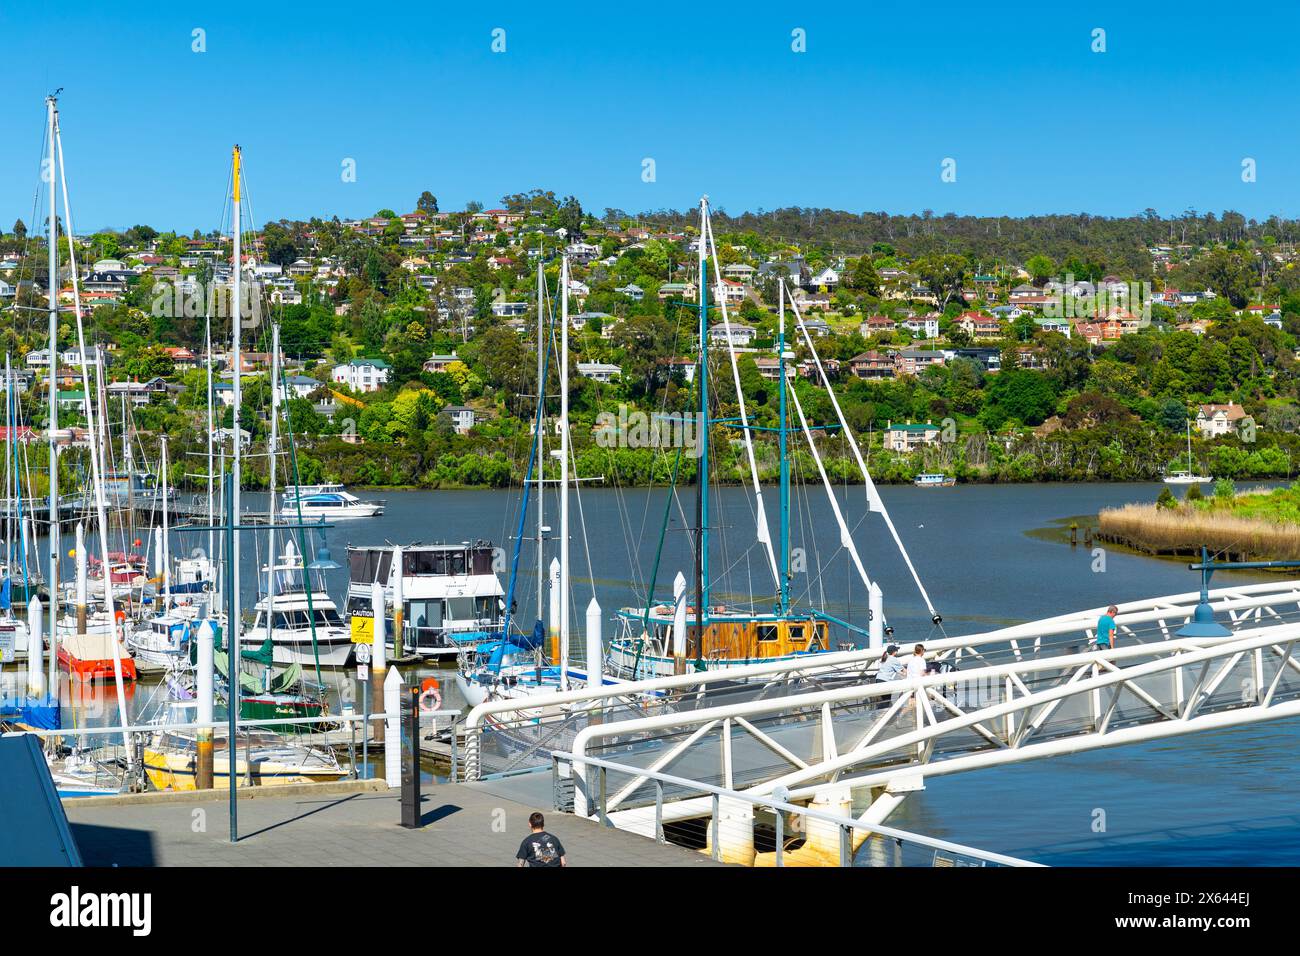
point(413, 93)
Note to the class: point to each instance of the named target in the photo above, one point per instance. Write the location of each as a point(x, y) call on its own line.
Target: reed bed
point(1184, 529)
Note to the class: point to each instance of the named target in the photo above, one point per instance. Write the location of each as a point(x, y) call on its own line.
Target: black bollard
point(410, 756)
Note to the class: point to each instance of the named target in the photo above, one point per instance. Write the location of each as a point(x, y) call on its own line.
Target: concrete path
point(346, 824)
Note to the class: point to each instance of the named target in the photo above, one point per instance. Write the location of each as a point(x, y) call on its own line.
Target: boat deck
point(355, 822)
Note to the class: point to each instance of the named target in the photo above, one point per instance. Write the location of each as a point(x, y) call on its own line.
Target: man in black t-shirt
point(539, 847)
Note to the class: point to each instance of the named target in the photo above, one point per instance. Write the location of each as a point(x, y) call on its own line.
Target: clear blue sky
point(861, 121)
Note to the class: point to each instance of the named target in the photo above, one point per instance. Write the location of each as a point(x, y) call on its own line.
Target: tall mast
point(269, 616)
point(52, 109)
point(564, 472)
point(785, 463)
point(232, 643)
point(166, 534)
point(541, 436)
point(702, 469)
point(212, 515)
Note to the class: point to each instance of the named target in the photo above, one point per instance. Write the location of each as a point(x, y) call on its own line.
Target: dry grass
point(1183, 530)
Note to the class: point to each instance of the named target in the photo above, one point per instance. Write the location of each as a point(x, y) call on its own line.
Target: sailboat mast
point(212, 516)
point(702, 469)
point(232, 642)
point(52, 110)
point(270, 516)
point(785, 464)
point(541, 436)
point(166, 533)
point(564, 472)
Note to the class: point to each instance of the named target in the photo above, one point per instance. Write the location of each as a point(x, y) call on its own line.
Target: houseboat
point(451, 595)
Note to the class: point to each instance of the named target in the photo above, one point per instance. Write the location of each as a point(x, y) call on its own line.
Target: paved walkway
point(341, 825)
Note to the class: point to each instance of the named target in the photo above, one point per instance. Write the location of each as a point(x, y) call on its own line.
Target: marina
point(918, 523)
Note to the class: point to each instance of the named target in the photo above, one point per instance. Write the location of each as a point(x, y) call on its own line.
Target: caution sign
point(363, 627)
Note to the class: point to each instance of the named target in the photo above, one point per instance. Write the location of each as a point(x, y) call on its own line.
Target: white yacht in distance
point(1188, 477)
point(326, 501)
point(293, 611)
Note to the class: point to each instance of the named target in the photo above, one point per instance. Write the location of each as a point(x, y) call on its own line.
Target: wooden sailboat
point(668, 637)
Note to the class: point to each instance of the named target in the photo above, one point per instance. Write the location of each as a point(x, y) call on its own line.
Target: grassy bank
point(1255, 526)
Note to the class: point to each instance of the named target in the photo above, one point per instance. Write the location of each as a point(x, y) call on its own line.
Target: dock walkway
point(351, 823)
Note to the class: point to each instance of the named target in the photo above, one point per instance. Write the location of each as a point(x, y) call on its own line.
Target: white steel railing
point(844, 835)
point(532, 726)
point(875, 735)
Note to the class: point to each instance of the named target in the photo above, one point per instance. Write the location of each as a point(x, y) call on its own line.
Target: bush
point(1167, 499)
point(1194, 493)
point(1224, 488)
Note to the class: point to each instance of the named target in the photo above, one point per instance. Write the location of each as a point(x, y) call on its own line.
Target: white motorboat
point(304, 625)
point(326, 501)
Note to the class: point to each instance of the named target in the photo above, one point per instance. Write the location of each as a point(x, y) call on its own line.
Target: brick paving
point(342, 824)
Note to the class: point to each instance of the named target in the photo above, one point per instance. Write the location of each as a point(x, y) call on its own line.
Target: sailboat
point(1188, 477)
point(665, 637)
point(82, 654)
point(513, 665)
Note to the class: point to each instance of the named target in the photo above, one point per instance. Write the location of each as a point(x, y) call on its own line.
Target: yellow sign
point(363, 628)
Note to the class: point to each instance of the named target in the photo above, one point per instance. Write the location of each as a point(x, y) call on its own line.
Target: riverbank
point(1259, 525)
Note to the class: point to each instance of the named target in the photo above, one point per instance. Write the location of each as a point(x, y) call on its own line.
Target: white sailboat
point(1188, 477)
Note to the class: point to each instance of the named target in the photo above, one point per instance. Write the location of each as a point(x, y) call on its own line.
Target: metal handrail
point(772, 803)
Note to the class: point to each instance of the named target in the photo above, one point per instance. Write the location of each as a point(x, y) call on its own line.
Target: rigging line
point(96, 472)
point(764, 533)
point(873, 496)
point(846, 540)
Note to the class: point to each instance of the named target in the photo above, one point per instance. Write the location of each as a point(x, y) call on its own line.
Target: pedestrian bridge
point(820, 734)
point(510, 736)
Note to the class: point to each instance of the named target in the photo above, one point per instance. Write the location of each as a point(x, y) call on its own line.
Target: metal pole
point(232, 657)
point(52, 232)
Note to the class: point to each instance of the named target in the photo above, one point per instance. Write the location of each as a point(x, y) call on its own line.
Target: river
point(988, 555)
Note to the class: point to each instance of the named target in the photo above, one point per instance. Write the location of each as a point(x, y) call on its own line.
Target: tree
point(1172, 415)
point(20, 229)
point(427, 203)
point(862, 276)
point(1040, 268)
point(943, 274)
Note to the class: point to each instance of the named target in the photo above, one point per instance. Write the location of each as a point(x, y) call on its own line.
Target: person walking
point(891, 669)
point(540, 848)
point(1106, 628)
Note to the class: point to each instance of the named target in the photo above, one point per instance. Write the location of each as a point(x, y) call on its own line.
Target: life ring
point(430, 689)
point(119, 615)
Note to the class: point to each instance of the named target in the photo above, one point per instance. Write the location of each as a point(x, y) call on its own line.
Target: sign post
point(363, 675)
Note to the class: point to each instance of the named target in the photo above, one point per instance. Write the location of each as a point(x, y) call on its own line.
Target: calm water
point(980, 551)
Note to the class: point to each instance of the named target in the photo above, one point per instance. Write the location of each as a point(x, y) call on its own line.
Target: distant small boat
point(934, 481)
point(327, 500)
point(1188, 477)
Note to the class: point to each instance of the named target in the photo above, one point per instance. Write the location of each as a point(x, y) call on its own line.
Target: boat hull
point(178, 771)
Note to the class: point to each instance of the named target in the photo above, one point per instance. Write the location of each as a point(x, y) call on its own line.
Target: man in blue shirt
point(1106, 629)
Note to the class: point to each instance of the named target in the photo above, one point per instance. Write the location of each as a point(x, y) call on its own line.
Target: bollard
point(205, 692)
point(679, 626)
point(410, 756)
point(392, 732)
point(35, 643)
point(553, 620)
point(378, 661)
